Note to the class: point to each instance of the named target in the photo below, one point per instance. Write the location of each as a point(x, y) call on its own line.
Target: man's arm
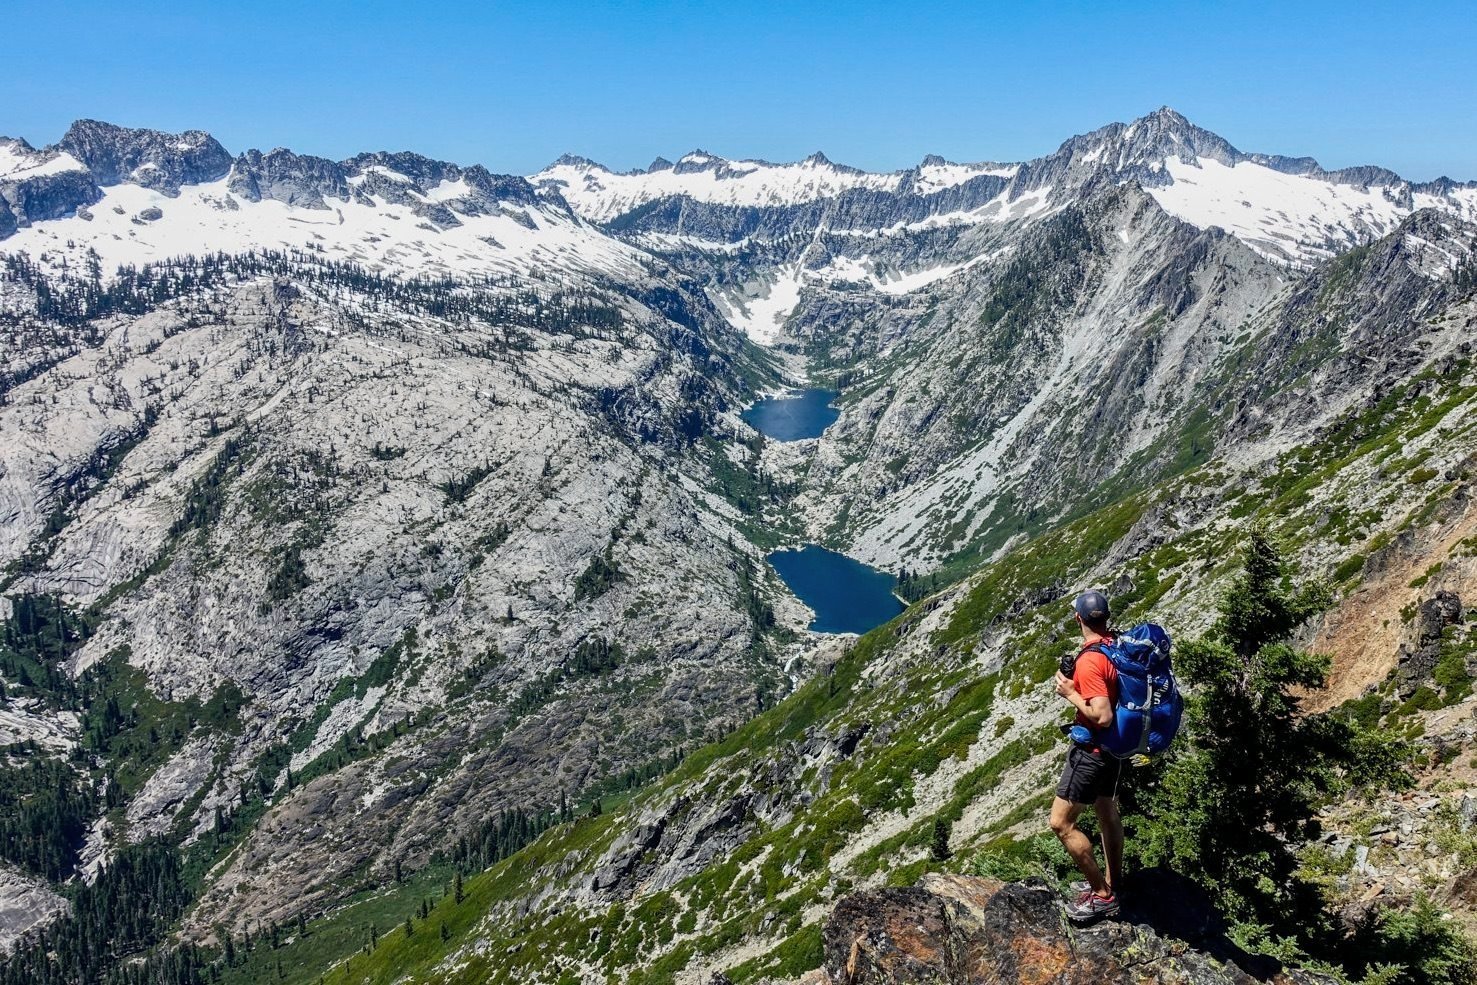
point(1097, 709)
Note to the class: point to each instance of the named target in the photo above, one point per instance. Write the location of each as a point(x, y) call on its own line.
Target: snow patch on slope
point(1298, 218)
point(762, 315)
point(18, 162)
point(936, 177)
point(892, 281)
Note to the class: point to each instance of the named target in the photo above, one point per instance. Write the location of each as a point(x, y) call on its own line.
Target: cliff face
point(967, 931)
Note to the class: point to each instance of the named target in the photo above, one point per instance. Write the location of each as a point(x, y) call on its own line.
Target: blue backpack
point(1149, 702)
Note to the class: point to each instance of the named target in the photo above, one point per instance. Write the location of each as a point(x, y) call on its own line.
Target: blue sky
point(877, 85)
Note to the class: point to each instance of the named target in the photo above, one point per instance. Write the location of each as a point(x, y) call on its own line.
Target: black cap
point(1092, 606)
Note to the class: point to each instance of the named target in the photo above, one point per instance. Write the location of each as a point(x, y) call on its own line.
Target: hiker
point(1091, 775)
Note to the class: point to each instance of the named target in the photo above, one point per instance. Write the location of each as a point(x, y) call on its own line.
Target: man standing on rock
point(1090, 777)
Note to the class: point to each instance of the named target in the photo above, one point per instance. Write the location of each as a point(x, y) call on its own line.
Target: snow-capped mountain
point(603, 195)
point(137, 196)
point(1289, 209)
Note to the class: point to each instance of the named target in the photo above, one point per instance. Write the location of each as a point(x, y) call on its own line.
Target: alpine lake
point(846, 595)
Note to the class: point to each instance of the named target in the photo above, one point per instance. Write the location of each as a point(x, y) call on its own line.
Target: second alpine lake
point(847, 596)
point(792, 418)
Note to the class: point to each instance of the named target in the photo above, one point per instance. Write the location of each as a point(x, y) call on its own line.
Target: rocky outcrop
point(49, 196)
point(150, 158)
point(26, 903)
point(36, 185)
point(684, 837)
point(293, 179)
point(957, 930)
point(1418, 657)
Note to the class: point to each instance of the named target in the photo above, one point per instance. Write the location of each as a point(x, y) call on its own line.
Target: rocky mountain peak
point(289, 177)
point(699, 160)
point(1167, 116)
point(36, 185)
point(17, 146)
point(150, 158)
point(1165, 134)
point(577, 161)
point(659, 164)
point(421, 169)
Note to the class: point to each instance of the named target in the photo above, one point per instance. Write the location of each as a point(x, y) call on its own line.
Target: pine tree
point(1243, 790)
point(458, 889)
point(939, 849)
point(445, 933)
point(409, 930)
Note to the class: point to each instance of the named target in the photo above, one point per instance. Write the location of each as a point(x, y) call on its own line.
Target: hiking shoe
point(1090, 906)
point(1083, 886)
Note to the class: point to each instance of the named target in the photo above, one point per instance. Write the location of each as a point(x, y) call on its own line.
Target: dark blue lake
point(792, 418)
point(847, 596)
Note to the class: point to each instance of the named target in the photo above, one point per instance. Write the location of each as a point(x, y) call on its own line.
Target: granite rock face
point(293, 179)
point(26, 902)
point(36, 185)
point(47, 197)
point(491, 465)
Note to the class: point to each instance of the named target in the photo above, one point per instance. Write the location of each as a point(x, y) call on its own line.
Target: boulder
point(958, 930)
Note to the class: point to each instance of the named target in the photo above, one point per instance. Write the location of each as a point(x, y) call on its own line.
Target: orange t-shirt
point(1095, 677)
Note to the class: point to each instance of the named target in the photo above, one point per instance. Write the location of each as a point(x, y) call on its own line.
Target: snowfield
point(385, 237)
point(1300, 218)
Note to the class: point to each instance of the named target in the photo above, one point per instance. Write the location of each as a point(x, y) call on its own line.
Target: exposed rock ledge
point(956, 930)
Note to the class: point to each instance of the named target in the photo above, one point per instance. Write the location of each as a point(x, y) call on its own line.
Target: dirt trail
point(1364, 632)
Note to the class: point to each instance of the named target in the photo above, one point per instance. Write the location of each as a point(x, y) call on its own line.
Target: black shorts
point(1089, 775)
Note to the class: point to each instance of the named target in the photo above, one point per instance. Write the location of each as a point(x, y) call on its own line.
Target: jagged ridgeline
point(385, 593)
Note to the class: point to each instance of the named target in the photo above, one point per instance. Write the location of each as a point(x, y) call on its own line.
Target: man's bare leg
point(1078, 845)
point(1111, 825)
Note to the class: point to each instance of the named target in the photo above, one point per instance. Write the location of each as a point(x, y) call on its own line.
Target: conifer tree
point(939, 849)
point(1248, 778)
